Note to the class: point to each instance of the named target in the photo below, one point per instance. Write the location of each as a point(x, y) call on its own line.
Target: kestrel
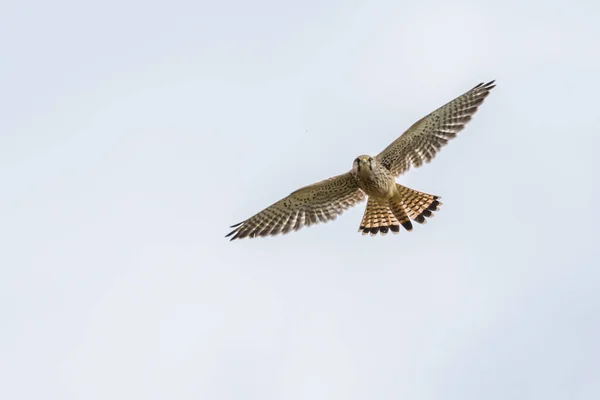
point(389, 204)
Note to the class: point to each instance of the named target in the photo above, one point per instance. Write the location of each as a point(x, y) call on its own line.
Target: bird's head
point(363, 163)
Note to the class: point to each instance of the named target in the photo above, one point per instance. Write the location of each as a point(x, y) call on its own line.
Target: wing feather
point(319, 202)
point(422, 141)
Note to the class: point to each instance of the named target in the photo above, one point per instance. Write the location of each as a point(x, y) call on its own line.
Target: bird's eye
point(357, 161)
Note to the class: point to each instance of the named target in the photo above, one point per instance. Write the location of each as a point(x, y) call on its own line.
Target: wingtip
point(234, 237)
point(235, 231)
point(488, 86)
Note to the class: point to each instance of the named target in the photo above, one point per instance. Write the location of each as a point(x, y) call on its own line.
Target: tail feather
point(419, 205)
point(409, 204)
point(399, 212)
point(378, 219)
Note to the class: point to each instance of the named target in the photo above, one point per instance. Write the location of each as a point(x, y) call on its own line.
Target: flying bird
point(390, 205)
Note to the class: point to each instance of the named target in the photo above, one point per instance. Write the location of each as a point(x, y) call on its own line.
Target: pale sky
point(132, 134)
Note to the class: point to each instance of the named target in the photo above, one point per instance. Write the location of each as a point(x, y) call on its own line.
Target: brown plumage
point(390, 205)
point(320, 202)
point(409, 205)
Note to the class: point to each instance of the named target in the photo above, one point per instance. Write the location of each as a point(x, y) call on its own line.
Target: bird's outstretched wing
point(319, 202)
point(421, 142)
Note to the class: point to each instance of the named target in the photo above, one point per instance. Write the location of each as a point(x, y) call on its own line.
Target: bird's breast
point(379, 186)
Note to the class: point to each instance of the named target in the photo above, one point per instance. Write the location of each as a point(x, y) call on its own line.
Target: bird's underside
point(410, 205)
point(390, 205)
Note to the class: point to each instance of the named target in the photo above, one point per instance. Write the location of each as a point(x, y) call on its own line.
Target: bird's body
point(390, 205)
point(374, 179)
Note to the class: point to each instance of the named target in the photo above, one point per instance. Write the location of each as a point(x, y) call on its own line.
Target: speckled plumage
point(390, 205)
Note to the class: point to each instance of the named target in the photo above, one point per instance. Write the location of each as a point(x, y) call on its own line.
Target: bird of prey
point(390, 205)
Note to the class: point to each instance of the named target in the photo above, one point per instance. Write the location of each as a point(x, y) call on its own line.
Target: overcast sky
point(133, 133)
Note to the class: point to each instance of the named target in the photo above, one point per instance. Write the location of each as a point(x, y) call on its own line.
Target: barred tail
point(409, 204)
point(382, 218)
point(378, 218)
point(418, 205)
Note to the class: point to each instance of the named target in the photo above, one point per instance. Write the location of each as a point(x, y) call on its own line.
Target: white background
point(132, 134)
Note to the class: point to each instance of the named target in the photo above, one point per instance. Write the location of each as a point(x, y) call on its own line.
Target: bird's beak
point(363, 161)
